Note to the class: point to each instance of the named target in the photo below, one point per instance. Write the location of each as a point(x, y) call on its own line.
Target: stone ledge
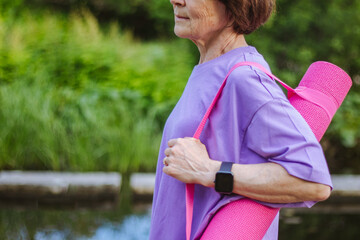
point(59, 185)
point(346, 185)
point(64, 187)
point(142, 186)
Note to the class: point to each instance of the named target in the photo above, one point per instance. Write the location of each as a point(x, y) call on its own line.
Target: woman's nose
point(178, 2)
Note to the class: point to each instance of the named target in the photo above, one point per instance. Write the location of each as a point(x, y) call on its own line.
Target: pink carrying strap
point(316, 97)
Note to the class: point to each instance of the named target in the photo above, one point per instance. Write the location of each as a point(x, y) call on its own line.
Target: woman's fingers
point(168, 152)
point(172, 142)
point(164, 162)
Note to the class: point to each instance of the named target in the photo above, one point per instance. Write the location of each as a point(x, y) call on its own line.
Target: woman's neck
point(222, 43)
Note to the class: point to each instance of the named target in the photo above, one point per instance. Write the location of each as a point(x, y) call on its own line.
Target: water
point(122, 224)
point(134, 224)
point(320, 227)
point(133, 227)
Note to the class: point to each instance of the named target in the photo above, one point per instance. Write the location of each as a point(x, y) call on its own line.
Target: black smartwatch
point(224, 179)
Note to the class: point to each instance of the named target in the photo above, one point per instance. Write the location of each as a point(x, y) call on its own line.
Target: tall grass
point(43, 127)
point(76, 97)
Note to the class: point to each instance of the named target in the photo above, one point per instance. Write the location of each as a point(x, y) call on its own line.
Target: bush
point(74, 51)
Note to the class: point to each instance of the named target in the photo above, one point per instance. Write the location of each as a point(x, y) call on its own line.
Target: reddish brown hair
point(248, 15)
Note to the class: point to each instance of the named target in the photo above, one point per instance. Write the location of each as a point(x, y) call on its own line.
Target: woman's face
point(199, 20)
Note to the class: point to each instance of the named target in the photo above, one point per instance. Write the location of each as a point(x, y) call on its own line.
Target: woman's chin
point(181, 32)
point(180, 35)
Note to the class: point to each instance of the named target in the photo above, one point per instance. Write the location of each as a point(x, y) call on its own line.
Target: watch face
point(224, 182)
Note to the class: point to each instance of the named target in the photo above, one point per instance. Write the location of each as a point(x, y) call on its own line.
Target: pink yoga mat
point(321, 80)
point(318, 96)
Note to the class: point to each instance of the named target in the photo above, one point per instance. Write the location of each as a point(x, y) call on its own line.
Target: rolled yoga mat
point(319, 94)
point(327, 85)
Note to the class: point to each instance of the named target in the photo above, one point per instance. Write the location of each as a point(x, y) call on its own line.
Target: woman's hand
point(188, 161)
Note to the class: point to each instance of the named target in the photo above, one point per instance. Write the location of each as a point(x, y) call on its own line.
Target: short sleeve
point(278, 133)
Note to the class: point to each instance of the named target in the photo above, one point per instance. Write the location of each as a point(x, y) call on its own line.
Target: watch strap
point(226, 166)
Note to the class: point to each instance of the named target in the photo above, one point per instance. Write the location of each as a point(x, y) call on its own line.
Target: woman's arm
point(270, 182)
point(187, 160)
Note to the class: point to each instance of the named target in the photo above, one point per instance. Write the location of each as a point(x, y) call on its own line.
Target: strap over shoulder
point(216, 98)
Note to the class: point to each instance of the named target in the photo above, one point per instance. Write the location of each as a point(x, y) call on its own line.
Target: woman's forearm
point(188, 161)
point(270, 182)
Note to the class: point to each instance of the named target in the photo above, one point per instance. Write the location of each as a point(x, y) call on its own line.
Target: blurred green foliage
point(302, 32)
point(75, 97)
point(147, 19)
point(118, 62)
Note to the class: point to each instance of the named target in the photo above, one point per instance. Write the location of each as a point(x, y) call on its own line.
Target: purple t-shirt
point(253, 122)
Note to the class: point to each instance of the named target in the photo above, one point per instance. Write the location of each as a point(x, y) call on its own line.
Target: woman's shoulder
point(250, 80)
point(251, 86)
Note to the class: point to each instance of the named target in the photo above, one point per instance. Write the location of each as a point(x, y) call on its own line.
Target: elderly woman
point(274, 157)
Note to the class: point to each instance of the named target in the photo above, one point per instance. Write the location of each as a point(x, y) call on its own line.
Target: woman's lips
point(178, 17)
